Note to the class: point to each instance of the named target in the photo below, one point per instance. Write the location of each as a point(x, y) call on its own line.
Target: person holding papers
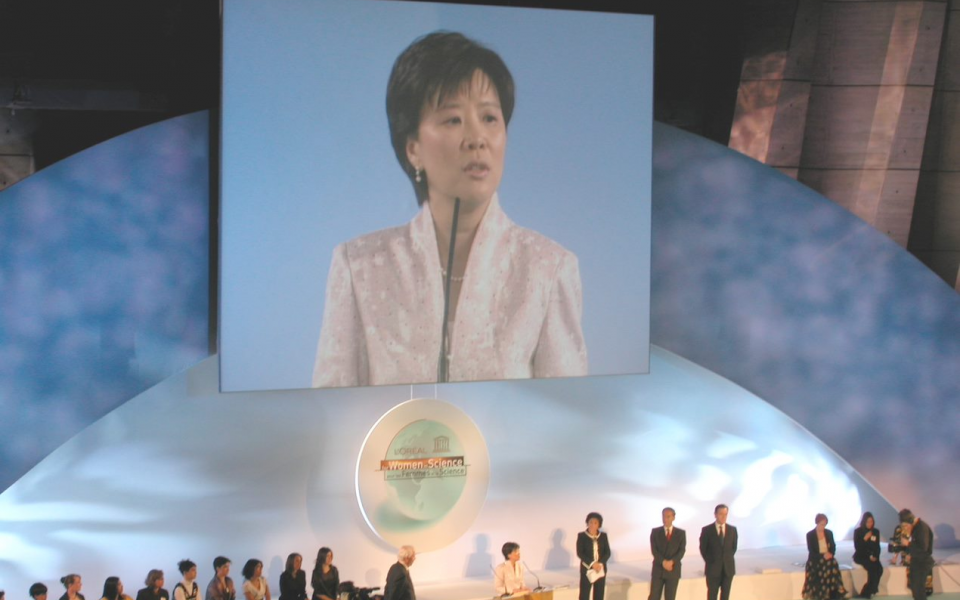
point(593, 550)
point(508, 576)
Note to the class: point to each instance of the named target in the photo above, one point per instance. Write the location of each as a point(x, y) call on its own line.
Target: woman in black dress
point(293, 581)
point(822, 580)
point(866, 553)
point(593, 550)
point(326, 578)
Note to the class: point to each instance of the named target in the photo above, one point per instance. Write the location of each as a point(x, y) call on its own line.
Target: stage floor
point(762, 574)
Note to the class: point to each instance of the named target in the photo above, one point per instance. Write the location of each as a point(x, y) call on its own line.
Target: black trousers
point(918, 579)
point(598, 588)
point(660, 585)
point(874, 570)
point(721, 583)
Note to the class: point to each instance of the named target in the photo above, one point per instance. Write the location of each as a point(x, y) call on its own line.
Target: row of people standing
point(718, 544)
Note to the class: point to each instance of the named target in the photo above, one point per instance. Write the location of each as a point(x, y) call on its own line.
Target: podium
point(545, 593)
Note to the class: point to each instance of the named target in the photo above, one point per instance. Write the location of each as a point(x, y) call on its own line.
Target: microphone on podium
point(532, 572)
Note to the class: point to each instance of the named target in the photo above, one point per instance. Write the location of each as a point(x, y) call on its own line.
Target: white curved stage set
point(186, 471)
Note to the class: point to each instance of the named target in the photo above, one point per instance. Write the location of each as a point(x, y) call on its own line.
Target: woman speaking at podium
point(460, 293)
point(508, 576)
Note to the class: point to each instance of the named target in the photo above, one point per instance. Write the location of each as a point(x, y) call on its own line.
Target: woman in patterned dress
point(822, 580)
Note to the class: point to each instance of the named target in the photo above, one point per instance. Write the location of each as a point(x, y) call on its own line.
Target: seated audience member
point(508, 576)
point(188, 588)
point(38, 591)
point(154, 589)
point(73, 584)
point(326, 578)
point(293, 581)
point(866, 553)
point(221, 586)
point(822, 580)
point(255, 585)
point(113, 589)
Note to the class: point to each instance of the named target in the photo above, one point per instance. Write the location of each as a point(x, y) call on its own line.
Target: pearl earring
point(417, 178)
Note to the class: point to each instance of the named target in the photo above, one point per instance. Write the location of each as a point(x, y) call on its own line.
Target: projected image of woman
point(512, 297)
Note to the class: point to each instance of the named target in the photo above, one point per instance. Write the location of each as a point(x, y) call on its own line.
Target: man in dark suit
point(668, 544)
point(919, 545)
point(399, 585)
point(718, 544)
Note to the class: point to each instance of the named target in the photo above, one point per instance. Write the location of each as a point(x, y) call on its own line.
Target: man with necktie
point(718, 544)
point(668, 544)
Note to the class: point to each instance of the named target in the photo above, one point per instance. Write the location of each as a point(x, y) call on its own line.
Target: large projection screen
point(307, 164)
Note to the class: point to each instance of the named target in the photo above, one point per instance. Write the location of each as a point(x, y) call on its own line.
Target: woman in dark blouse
point(326, 578)
point(293, 581)
point(154, 589)
point(866, 553)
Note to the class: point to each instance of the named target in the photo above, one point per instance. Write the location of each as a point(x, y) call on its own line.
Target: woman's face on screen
point(461, 143)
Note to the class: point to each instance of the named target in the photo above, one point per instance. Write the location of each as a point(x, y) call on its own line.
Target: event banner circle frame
point(422, 474)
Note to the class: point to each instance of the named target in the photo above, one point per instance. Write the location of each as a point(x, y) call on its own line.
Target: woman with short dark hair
point(508, 576)
point(255, 587)
point(38, 591)
point(187, 589)
point(822, 580)
point(593, 550)
point(429, 302)
point(221, 586)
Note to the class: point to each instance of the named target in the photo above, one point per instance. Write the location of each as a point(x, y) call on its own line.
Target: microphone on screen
point(443, 361)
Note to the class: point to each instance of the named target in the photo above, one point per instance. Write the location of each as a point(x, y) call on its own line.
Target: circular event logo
point(422, 475)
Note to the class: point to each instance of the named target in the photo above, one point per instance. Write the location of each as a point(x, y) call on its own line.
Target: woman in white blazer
point(512, 297)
